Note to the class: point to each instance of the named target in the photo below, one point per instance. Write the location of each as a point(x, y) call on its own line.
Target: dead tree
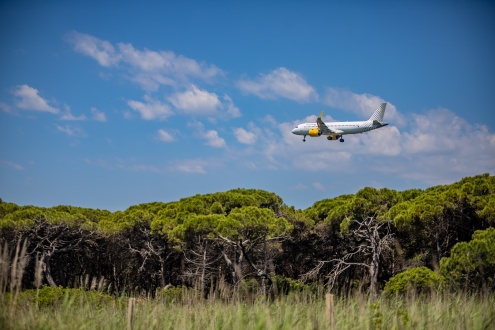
point(52, 240)
point(256, 254)
point(373, 238)
point(150, 251)
point(201, 262)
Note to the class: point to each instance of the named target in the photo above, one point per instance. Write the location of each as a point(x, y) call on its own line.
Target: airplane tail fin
point(379, 113)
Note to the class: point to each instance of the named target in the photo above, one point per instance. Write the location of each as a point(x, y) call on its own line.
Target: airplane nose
point(294, 131)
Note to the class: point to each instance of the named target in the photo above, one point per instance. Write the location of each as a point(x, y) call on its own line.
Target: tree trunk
point(45, 266)
point(203, 270)
point(373, 270)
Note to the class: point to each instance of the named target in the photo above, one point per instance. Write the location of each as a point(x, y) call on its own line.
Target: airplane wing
point(324, 129)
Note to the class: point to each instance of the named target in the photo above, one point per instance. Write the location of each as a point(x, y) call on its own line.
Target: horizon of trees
point(374, 240)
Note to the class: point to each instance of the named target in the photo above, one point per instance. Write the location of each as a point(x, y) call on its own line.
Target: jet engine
point(314, 132)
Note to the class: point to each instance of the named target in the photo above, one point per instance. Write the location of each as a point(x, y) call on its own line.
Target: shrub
point(471, 265)
point(286, 285)
point(53, 297)
point(420, 279)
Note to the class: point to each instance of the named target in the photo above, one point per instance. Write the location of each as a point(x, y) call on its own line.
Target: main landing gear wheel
point(341, 140)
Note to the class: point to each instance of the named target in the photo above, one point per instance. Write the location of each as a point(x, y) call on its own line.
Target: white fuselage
point(335, 130)
point(341, 128)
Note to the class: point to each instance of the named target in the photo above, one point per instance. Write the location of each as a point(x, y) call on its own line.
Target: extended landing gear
point(335, 137)
point(304, 138)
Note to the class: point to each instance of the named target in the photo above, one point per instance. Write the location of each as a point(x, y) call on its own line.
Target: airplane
point(336, 130)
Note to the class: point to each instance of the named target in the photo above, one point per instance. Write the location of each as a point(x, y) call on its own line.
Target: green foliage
point(286, 285)
point(409, 194)
point(6, 208)
point(432, 222)
point(248, 288)
point(331, 211)
point(486, 210)
point(176, 295)
point(344, 226)
point(370, 202)
point(367, 202)
point(471, 264)
point(252, 222)
point(122, 221)
point(376, 316)
point(54, 297)
point(424, 209)
point(247, 222)
point(238, 198)
point(433, 203)
point(22, 217)
point(298, 311)
point(427, 225)
point(217, 208)
point(86, 214)
point(153, 207)
point(202, 225)
point(419, 279)
point(210, 214)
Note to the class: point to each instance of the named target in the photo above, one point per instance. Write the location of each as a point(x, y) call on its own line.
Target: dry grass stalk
point(18, 265)
point(38, 272)
point(330, 310)
point(130, 313)
point(4, 268)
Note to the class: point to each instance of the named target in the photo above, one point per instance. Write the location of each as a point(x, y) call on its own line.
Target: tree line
point(372, 241)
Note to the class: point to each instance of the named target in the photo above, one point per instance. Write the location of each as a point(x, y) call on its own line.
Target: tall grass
point(295, 311)
point(181, 308)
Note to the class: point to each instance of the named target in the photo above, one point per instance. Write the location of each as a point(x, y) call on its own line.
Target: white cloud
point(153, 69)
point(437, 131)
point(231, 110)
point(323, 161)
point(153, 109)
point(194, 166)
point(361, 104)
point(384, 141)
point(150, 69)
point(5, 107)
point(166, 62)
point(444, 145)
point(68, 116)
point(318, 186)
point(100, 50)
point(211, 136)
point(196, 101)
point(436, 147)
point(12, 165)
point(213, 140)
point(164, 136)
point(30, 100)
point(187, 166)
point(98, 115)
point(244, 136)
point(280, 83)
point(71, 130)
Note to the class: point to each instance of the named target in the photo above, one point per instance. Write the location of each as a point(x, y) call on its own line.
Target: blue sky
point(115, 104)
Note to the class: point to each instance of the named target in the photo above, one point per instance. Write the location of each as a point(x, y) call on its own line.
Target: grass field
point(180, 308)
point(295, 311)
